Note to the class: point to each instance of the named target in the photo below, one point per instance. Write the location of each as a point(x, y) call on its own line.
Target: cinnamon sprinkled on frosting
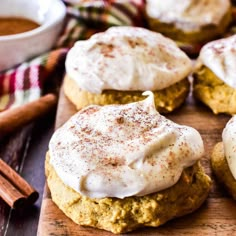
point(122, 150)
point(127, 58)
point(220, 57)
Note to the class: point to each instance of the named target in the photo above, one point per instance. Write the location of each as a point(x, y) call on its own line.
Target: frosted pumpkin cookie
point(121, 167)
point(223, 159)
point(116, 66)
point(189, 21)
point(215, 76)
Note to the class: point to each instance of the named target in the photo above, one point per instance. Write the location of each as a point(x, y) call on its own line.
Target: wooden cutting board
point(217, 216)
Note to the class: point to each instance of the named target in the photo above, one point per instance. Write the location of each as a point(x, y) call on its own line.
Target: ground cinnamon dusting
point(15, 25)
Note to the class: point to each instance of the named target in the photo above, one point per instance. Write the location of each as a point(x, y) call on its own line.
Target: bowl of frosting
point(28, 29)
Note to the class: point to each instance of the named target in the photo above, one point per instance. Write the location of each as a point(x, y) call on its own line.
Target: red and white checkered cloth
point(28, 81)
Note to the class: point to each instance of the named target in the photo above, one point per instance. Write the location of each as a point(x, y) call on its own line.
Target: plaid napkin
point(29, 80)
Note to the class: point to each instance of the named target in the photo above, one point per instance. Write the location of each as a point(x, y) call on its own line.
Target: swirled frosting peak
point(126, 58)
point(122, 150)
point(229, 142)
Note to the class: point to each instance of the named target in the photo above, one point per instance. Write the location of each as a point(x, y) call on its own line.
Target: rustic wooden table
point(25, 151)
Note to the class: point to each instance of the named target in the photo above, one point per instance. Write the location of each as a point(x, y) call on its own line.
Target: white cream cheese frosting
point(229, 143)
point(126, 58)
point(220, 57)
point(188, 15)
point(122, 150)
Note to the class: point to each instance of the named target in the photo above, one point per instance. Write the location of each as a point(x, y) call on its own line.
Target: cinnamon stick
point(14, 189)
point(10, 194)
point(12, 119)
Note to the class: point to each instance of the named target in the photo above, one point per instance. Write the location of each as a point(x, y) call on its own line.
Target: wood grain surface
point(24, 151)
point(217, 216)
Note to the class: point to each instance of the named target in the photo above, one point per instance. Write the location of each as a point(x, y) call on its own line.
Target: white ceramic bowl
point(17, 48)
